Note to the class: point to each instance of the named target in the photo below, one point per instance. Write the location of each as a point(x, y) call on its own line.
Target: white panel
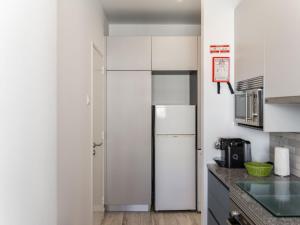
point(154, 29)
point(199, 97)
point(129, 53)
point(175, 172)
point(200, 166)
point(171, 89)
point(175, 120)
point(174, 53)
point(281, 118)
point(128, 138)
point(282, 48)
point(249, 40)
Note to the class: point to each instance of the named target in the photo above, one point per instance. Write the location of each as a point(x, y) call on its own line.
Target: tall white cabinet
point(128, 160)
point(128, 139)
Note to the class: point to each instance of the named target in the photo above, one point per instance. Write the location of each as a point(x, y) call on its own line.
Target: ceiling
point(152, 11)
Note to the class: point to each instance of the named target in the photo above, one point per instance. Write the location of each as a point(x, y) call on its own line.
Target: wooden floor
point(151, 219)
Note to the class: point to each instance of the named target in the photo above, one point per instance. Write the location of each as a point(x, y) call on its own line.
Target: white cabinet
point(249, 40)
point(174, 53)
point(267, 44)
point(282, 49)
point(129, 53)
point(128, 179)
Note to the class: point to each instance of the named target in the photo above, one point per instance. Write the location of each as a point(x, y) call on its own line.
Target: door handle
point(97, 145)
point(94, 147)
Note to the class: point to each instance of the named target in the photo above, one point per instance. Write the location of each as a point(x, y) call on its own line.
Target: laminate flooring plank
point(152, 218)
point(113, 218)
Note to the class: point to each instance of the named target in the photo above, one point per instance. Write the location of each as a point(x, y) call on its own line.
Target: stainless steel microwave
point(249, 102)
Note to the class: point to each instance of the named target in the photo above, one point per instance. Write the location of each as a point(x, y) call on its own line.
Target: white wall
point(79, 23)
point(28, 112)
point(218, 110)
point(154, 30)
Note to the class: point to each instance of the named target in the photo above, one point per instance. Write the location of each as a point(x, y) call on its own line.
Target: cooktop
point(281, 198)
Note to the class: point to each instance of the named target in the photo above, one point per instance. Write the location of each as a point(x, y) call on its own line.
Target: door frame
point(94, 46)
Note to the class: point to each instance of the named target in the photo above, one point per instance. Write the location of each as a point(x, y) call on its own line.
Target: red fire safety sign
point(219, 49)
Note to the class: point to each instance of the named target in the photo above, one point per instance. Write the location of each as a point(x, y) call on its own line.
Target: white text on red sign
point(218, 49)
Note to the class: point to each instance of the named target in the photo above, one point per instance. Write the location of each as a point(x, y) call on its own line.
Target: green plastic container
point(259, 169)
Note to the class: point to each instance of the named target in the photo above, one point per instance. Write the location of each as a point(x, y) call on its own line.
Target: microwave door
point(241, 107)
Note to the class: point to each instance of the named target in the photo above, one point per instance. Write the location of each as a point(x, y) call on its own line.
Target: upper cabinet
point(174, 53)
point(282, 49)
point(249, 41)
point(267, 43)
point(128, 53)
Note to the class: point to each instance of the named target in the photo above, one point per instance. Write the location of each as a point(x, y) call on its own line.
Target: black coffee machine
point(234, 152)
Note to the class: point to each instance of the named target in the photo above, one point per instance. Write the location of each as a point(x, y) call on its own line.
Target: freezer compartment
point(175, 172)
point(175, 119)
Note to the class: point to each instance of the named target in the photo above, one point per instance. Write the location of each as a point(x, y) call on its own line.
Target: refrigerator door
point(175, 172)
point(175, 119)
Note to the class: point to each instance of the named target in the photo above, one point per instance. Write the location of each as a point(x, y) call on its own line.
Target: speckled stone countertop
point(257, 213)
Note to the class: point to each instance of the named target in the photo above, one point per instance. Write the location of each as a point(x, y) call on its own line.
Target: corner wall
point(218, 110)
point(28, 85)
point(80, 22)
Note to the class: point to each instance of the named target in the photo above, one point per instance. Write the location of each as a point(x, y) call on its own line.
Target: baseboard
point(99, 208)
point(127, 208)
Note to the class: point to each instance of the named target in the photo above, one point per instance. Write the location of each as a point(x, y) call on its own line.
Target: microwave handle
point(246, 106)
point(255, 110)
point(248, 100)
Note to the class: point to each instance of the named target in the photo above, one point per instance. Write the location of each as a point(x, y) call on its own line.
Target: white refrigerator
point(175, 157)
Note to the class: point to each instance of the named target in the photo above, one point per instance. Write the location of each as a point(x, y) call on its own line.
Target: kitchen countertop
point(257, 213)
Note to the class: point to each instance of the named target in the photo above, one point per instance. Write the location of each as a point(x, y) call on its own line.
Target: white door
point(175, 172)
point(175, 119)
point(98, 127)
point(128, 139)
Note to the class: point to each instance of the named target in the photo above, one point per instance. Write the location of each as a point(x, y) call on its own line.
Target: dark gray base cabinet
point(211, 220)
point(218, 201)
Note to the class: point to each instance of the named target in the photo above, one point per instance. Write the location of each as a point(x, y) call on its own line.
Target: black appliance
point(234, 152)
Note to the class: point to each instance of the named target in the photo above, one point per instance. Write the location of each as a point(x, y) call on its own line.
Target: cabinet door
point(128, 177)
point(218, 199)
point(249, 40)
point(282, 48)
point(174, 53)
point(210, 219)
point(129, 53)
